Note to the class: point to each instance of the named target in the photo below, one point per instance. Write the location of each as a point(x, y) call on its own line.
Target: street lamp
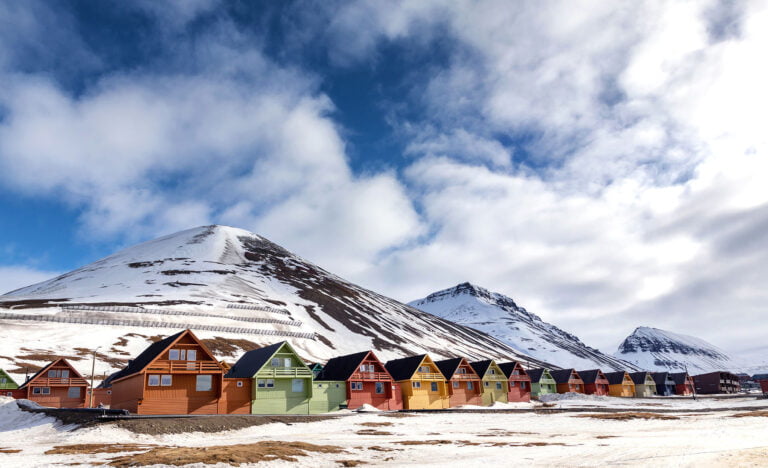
point(93, 373)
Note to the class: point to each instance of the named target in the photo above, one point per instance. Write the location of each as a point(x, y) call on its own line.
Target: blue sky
point(604, 165)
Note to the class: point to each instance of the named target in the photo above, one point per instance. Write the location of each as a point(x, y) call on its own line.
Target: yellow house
point(620, 384)
point(421, 382)
point(494, 381)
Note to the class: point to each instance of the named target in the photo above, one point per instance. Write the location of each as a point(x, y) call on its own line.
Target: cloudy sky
point(603, 163)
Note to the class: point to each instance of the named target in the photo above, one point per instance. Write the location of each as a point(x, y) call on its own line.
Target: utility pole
point(93, 374)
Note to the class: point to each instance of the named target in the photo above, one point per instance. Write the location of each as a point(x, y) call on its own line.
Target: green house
point(542, 382)
point(6, 382)
point(327, 396)
point(282, 382)
point(495, 382)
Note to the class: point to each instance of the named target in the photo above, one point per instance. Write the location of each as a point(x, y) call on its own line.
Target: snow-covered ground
point(444, 439)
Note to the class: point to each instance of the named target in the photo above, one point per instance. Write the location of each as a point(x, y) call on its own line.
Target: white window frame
point(168, 382)
point(192, 355)
point(46, 390)
point(260, 383)
point(275, 362)
point(156, 380)
point(270, 383)
point(288, 363)
point(239, 383)
point(202, 377)
point(37, 390)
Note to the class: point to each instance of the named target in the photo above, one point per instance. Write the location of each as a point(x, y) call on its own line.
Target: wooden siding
point(101, 396)
point(180, 398)
point(126, 393)
point(327, 396)
point(57, 386)
point(236, 399)
point(281, 399)
point(392, 399)
point(7, 382)
point(624, 389)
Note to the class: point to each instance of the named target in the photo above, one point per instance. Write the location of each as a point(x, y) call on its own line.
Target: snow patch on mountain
point(499, 316)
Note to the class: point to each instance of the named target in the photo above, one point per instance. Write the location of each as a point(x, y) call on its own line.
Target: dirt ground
point(158, 426)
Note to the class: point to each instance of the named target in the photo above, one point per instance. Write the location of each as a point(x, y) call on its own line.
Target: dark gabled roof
point(679, 377)
point(251, 362)
point(508, 367)
point(448, 367)
point(562, 375)
point(638, 377)
point(342, 367)
point(403, 369)
point(589, 376)
point(615, 378)
point(481, 367)
point(144, 359)
point(535, 374)
point(660, 377)
point(760, 377)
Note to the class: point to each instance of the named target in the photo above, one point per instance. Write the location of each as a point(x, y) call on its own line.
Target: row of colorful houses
point(180, 375)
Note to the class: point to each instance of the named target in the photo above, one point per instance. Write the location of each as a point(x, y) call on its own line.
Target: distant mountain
point(653, 349)
point(499, 316)
point(236, 289)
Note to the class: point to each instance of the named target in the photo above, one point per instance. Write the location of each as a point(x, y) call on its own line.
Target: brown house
point(568, 381)
point(177, 375)
point(595, 382)
point(464, 385)
point(57, 385)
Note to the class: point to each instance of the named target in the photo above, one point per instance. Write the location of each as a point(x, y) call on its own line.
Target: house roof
point(615, 378)
point(760, 377)
point(141, 361)
point(8, 376)
point(562, 375)
point(660, 377)
point(481, 367)
point(508, 367)
point(44, 369)
point(403, 369)
point(535, 374)
point(590, 376)
point(679, 377)
point(449, 366)
point(251, 362)
point(639, 377)
point(342, 367)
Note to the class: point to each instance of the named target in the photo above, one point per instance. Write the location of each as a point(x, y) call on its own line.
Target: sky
point(603, 163)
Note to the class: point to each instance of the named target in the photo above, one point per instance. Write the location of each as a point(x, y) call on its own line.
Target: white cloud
point(17, 276)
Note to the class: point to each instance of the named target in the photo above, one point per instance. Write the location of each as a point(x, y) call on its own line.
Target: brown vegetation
point(91, 449)
point(234, 455)
point(7, 450)
point(436, 442)
point(626, 416)
point(372, 432)
point(376, 424)
point(750, 414)
point(351, 462)
point(229, 346)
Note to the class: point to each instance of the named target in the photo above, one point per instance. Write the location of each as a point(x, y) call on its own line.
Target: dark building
point(716, 382)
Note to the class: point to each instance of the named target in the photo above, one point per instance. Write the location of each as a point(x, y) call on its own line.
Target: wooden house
point(495, 382)
point(518, 380)
point(57, 385)
point(595, 382)
point(7, 384)
point(568, 381)
point(421, 382)
point(683, 383)
point(645, 386)
point(365, 381)
point(665, 385)
point(620, 384)
point(762, 380)
point(281, 381)
point(716, 382)
point(176, 375)
point(542, 382)
point(464, 385)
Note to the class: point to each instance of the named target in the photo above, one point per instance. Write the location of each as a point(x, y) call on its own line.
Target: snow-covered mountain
point(499, 316)
point(234, 288)
point(653, 349)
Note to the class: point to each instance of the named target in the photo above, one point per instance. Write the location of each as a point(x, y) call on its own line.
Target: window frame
point(433, 387)
point(69, 392)
point(379, 386)
point(163, 380)
point(203, 377)
point(171, 354)
point(149, 380)
point(416, 384)
point(294, 383)
point(46, 390)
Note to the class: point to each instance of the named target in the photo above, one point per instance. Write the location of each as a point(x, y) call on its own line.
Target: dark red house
point(595, 382)
point(519, 382)
point(465, 387)
point(368, 381)
point(716, 382)
point(683, 383)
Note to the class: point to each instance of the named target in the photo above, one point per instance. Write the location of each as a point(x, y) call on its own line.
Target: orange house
point(57, 385)
point(465, 387)
point(568, 381)
point(176, 375)
point(519, 382)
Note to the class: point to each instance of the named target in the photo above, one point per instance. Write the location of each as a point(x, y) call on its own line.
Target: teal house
point(281, 381)
point(542, 382)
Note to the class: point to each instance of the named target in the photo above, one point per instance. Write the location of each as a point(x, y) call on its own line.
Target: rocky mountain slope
point(654, 349)
point(499, 316)
point(236, 289)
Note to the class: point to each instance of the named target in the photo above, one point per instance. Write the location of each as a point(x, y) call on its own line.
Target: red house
point(683, 383)
point(176, 375)
point(595, 382)
point(57, 385)
point(568, 381)
point(465, 387)
point(519, 382)
point(368, 381)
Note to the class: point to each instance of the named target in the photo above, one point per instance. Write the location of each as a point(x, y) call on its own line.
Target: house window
point(53, 374)
point(319, 385)
point(239, 383)
point(416, 384)
point(516, 372)
point(487, 384)
point(379, 387)
point(425, 369)
point(270, 383)
point(166, 380)
point(522, 385)
point(173, 355)
point(64, 374)
point(275, 362)
point(492, 371)
point(498, 385)
point(3, 380)
point(73, 392)
point(455, 385)
point(287, 362)
point(357, 385)
point(337, 385)
point(46, 391)
point(433, 386)
point(470, 386)
point(154, 380)
point(37, 391)
point(461, 370)
point(261, 383)
point(192, 355)
point(512, 384)
point(204, 383)
point(297, 385)
point(9, 394)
